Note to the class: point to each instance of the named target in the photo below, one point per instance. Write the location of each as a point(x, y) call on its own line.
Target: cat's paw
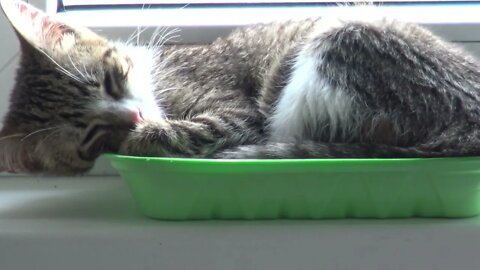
point(145, 140)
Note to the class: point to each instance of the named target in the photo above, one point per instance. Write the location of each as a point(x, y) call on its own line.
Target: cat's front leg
point(164, 138)
point(200, 136)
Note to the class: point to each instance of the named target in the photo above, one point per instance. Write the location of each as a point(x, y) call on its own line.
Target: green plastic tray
point(184, 189)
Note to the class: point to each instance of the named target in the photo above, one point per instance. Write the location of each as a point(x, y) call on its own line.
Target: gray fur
point(412, 95)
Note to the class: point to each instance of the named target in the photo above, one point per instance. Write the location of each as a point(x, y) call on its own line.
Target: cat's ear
point(40, 30)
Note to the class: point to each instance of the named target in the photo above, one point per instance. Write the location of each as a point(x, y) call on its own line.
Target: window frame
point(454, 20)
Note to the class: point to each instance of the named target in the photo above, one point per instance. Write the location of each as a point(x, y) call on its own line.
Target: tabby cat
point(318, 88)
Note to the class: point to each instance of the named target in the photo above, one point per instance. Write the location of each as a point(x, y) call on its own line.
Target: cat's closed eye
point(117, 67)
point(112, 89)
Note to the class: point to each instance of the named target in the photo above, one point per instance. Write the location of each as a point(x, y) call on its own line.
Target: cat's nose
point(135, 115)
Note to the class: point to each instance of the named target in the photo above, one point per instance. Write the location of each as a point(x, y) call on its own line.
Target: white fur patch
point(140, 82)
point(309, 104)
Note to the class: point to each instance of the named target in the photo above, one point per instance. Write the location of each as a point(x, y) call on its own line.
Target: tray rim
point(345, 161)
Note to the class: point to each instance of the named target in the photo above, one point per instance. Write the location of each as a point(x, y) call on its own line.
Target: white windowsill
point(92, 223)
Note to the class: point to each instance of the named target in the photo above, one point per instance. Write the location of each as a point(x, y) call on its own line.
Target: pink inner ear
point(22, 7)
point(44, 22)
point(37, 28)
point(33, 15)
point(54, 31)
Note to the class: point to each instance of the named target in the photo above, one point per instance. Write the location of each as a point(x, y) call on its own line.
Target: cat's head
point(76, 95)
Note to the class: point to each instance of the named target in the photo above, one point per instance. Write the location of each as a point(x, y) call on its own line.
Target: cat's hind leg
point(374, 89)
point(311, 106)
point(373, 82)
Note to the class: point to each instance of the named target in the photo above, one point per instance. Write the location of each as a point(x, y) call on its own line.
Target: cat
point(315, 88)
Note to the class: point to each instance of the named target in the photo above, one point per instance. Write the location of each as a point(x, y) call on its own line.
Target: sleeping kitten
point(311, 89)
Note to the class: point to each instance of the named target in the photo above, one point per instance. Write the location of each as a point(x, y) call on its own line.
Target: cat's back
point(231, 67)
point(238, 60)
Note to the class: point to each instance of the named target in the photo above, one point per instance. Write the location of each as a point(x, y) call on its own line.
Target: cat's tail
point(311, 149)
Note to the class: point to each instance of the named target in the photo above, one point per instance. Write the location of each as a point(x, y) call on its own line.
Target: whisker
point(12, 136)
point(133, 35)
point(36, 132)
point(166, 36)
point(136, 35)
point(88, 75)
point(164, 30)
point(159, 31)
point(75, 67)
point(186, 5)
point(49, 135)
point(62, 69)
point(168, 39)
point(130, 38)
point(70, 75)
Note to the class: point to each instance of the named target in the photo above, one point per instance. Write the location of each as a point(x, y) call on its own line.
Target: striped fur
point(308, 89)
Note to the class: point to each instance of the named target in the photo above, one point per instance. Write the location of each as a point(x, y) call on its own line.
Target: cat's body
point(314, 88)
